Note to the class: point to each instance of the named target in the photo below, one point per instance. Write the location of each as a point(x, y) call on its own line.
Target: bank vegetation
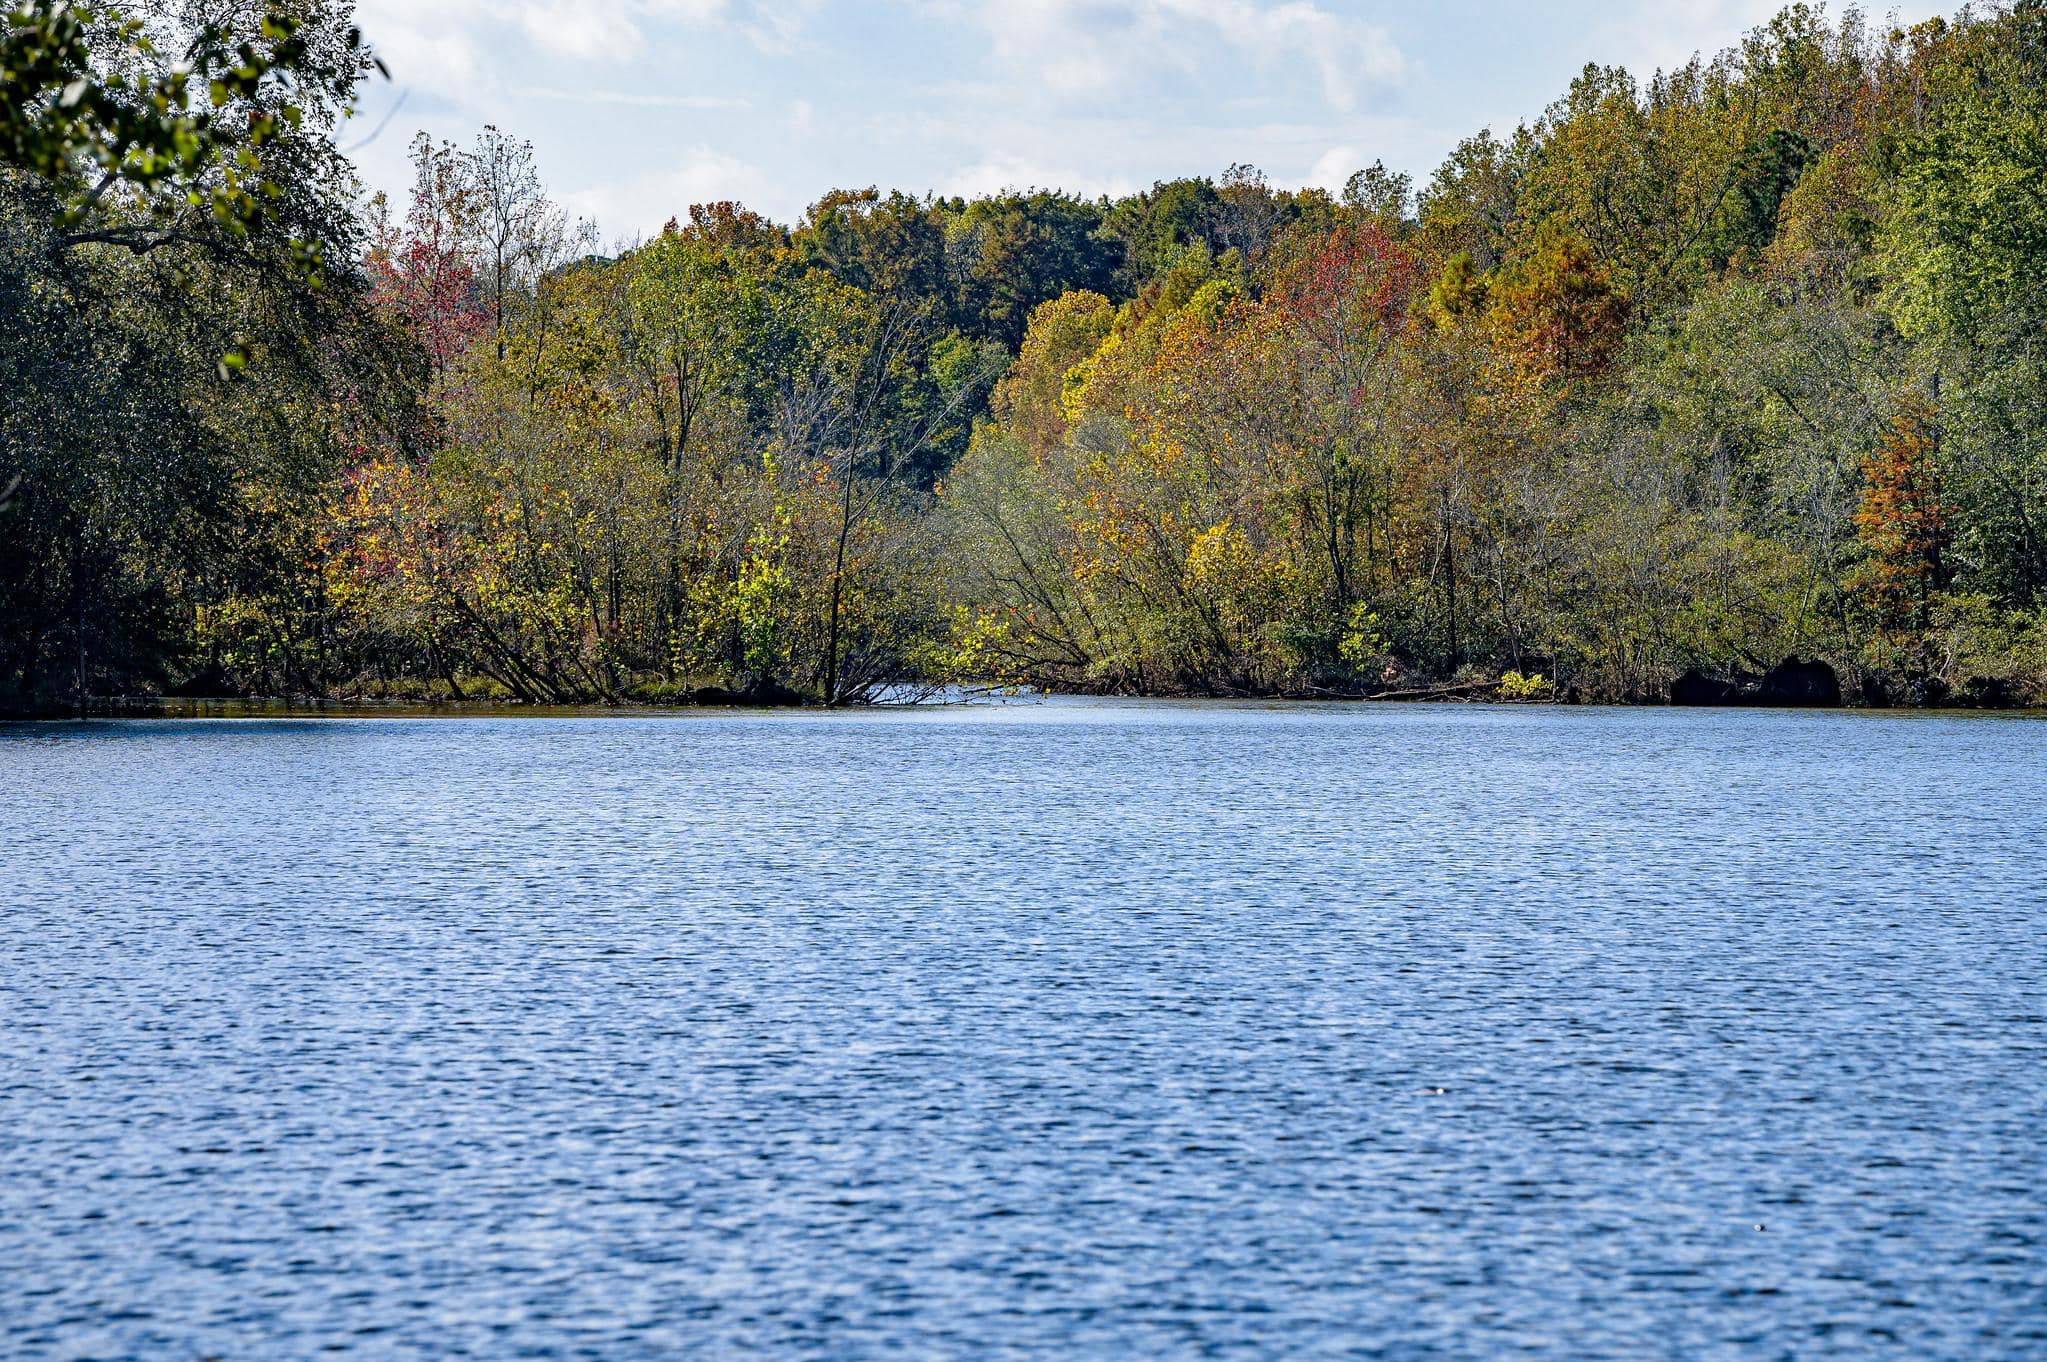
point(1687, 375)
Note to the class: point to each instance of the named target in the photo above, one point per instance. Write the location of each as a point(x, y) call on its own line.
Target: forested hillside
point(1692, 372)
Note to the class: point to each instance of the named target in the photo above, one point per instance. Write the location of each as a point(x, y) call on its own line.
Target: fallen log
point(1436, 692)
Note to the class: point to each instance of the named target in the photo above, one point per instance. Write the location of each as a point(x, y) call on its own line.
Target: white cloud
point(635, 101)
point(582, 29)
point(638, 207)
point(453, 43)
point(1647, 36)
point(995, 174)
point(436, 45)
point(1343, 51)
point(1333, 168)
point(1091, 47)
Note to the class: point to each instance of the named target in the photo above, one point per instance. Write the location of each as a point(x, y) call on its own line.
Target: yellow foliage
point(1515, 686)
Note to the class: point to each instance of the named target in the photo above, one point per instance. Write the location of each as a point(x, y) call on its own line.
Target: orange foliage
point(1902, 521)
point(1557, 313)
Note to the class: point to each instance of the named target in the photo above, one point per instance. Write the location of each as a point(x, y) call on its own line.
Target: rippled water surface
point(1055, 1032)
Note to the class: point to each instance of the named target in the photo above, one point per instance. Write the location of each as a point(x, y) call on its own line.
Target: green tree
point(1962, 242)
point(151, 133)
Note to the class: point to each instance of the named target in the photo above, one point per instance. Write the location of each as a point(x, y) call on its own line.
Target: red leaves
point(432, 290)
point(1339, 283)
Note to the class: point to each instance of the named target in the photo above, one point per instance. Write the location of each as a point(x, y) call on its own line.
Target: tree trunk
point(78, 632)
point(831, 647)
point(1450, 567)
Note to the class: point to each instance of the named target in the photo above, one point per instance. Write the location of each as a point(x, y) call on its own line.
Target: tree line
point(1689, 374)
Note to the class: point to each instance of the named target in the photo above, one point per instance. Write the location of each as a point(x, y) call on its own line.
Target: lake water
point(1062, 1031)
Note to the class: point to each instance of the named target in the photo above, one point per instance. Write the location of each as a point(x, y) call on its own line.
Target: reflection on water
point(1058, 1031)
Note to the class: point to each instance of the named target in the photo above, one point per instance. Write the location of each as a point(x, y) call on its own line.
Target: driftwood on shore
point(1436, 692)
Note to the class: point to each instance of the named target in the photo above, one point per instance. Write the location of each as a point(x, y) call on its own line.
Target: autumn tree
point(1557, 312)
point(1903, 526)
point(1342, 304)
point(423, 268)
point(1033, 398)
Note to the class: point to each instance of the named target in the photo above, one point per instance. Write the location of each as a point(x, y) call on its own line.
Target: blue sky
point(637, 108)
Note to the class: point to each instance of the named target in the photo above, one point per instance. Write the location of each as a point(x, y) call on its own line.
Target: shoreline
point(144, 708)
